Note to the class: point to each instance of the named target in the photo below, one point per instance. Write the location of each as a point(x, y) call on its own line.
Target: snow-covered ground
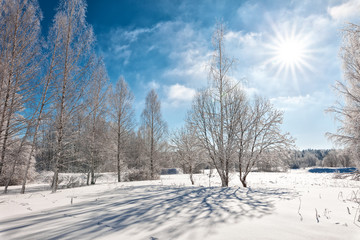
point(291, 205)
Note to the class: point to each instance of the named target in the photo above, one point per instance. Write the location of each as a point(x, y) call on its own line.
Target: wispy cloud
point(189, 66)
point(292, 103)
point(120, 35)
point(303, 103)
point(133, 35)
point(345, 11)
point(153, 85)
point(187, 48)
point(120, 41)
point(122, 52)
point(241, 38)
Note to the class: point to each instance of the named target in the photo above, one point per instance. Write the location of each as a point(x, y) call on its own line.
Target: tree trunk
point(55, 180)
point(92, 176)
point(88, 178)
point(224, 181)
point(27, 166)
point(151, 167)
point(118, 150)
point(191, 176)
point(92, 167)
point(243, 181)
point(152, 156)
point(118, 168)
point(58, 153)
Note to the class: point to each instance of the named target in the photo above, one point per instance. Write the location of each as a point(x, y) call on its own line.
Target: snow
point(275, 206)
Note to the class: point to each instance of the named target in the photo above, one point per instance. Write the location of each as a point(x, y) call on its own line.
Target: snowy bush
point(68, 180)
point(140, 175)
point(15, 175)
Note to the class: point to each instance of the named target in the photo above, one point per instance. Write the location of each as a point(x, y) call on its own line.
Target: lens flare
point(289, 52)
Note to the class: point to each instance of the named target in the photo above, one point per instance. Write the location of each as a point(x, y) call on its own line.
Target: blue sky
point(166, 45)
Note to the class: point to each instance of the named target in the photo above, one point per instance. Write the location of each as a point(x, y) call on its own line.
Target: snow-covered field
point(292, 205)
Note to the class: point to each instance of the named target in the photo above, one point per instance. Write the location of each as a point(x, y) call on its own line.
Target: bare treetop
point(154, 128)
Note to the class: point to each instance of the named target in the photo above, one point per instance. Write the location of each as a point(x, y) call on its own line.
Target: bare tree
point(122, 115)
point(188, 149)
point(331, 159)
point(273, 161)
point(19, 67)
point(153, 128)
point(18, 159)
point(347, 111)
point(214, 112)
point(95, 102)
point(136, 152)
point(344, 158)
point(230, 127)
point(258, 134)
point(71, 39)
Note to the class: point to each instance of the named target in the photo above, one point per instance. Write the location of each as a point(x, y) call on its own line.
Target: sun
point(290, 52)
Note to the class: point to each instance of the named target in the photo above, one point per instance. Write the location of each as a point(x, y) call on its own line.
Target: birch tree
point(347, 110)
point(19, 66)
point(154, 130)
point(71, 40)
point(228, 125)
point(122, 115)
point(214, 110)
point(95, 103)
point(259, 134)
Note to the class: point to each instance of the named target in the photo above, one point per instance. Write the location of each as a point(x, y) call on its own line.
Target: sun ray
point(290, 53)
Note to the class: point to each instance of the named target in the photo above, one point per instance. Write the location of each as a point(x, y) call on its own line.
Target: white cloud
point(121, 35)
point(251, 91)
point(178, 96)
point(133, 35)
point(316, 100)
point(347, 10)
point(190, 67)
point(248, 12)
point(188, 51)
point(153, 85)
point(122, 52)
point(247, 39)
point(180, 93)
point(292, 103)
point(119, 43)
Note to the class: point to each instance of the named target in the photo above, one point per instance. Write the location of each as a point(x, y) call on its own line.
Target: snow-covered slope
point(292, 205)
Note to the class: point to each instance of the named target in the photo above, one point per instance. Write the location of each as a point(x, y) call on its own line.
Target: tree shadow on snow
point(160, 210)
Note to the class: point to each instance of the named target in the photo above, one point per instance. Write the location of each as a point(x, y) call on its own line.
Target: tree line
point(60, 113)
point(319, 158)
